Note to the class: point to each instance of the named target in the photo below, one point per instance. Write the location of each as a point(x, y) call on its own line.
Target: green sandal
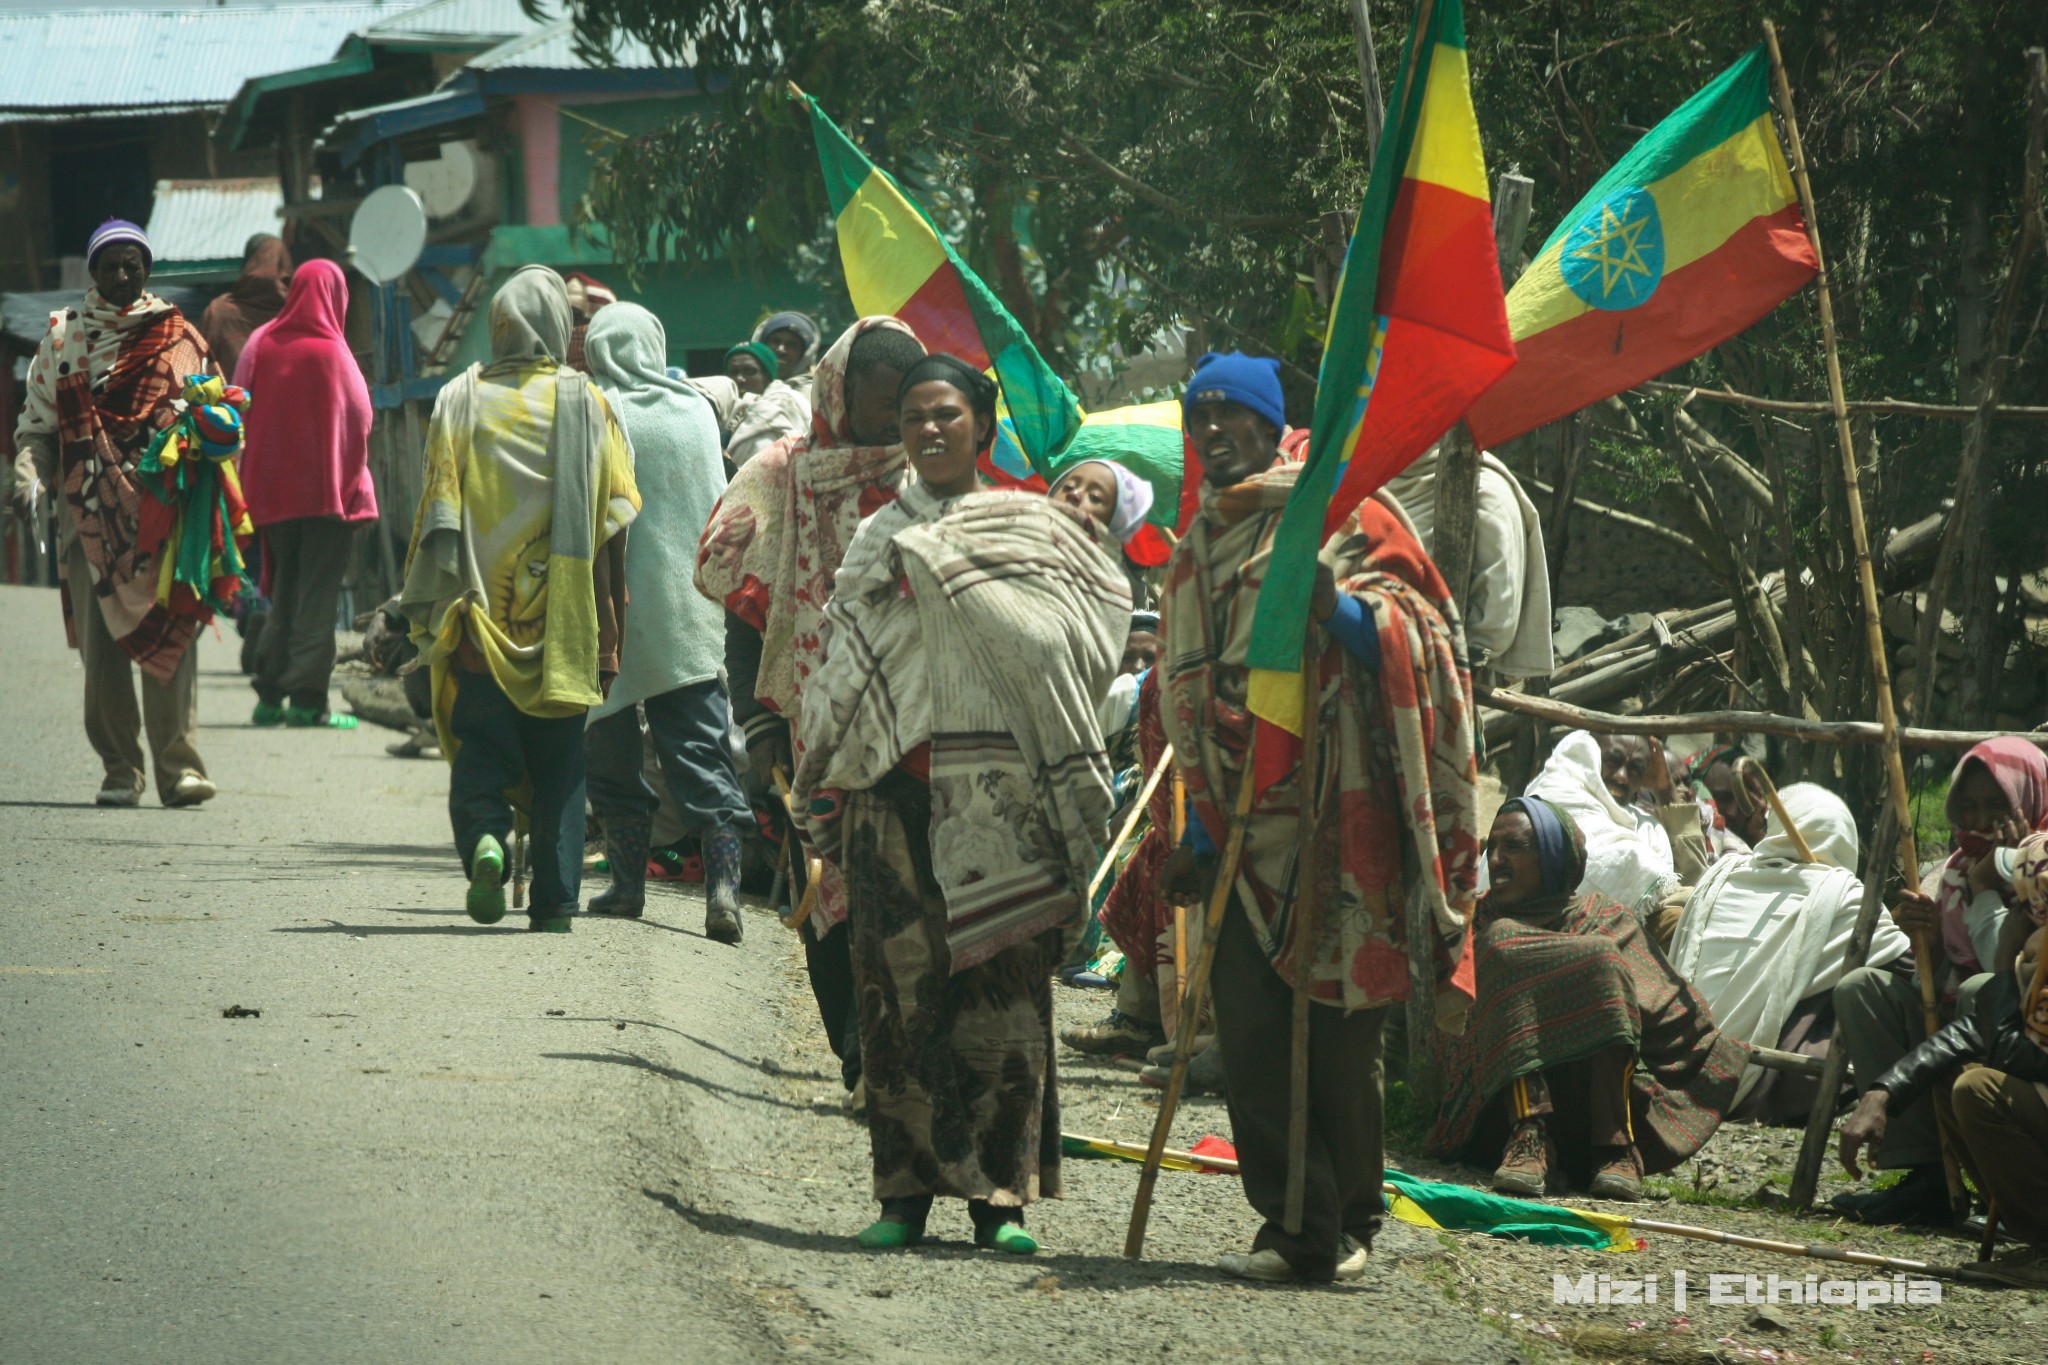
point(551, 924)
point(486, 903)
point(267, 713)
point(1009, 1237)
point(889, 1234)
point(306, 718)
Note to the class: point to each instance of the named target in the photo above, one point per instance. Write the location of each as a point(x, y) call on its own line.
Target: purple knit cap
point(117, 230)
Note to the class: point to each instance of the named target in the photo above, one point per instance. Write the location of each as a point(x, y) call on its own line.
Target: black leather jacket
point(1990, 1034)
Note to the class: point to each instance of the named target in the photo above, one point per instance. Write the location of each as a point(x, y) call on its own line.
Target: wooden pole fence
point(1552, 712)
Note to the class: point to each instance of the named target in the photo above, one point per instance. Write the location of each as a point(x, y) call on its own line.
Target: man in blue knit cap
point(1370, 576)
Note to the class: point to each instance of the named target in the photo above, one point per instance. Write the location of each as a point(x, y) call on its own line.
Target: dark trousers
point(1346, 1080)
point(295, 653)
point(688, 725)
point(501, 748)
point(830, 964)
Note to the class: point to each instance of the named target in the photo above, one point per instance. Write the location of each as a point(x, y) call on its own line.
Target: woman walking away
point(953, 767)
point(306, 475)
point(515, 586)
point(675, 641)
point(102, 384)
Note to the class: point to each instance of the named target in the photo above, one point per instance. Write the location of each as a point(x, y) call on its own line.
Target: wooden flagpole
point(1307, 868)
point(1191, 1004)
point(1887, 715)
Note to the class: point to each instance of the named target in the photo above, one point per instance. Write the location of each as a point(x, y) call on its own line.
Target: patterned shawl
point(1564, 976)
point(990, 626)
point(1399, 809)
point(103, 382)
point(777, 536)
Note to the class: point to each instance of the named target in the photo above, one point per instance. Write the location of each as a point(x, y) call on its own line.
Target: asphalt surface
point(439, 1141)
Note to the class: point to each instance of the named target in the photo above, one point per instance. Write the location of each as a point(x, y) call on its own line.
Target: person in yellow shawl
point(515, 588)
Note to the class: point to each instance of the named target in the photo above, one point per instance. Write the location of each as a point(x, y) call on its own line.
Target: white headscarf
point(1628, 854)
point(1764, 931)
point(1133, 497)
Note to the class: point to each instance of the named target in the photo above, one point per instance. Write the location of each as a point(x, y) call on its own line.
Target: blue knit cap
point(1234, 377)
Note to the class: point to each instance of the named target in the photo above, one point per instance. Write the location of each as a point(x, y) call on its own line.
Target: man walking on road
point(102, 384)
point(515, 585)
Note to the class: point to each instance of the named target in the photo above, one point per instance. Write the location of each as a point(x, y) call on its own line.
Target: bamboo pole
point(1747, 766)
point(1866, 576)
point(1191, 1006)
point(1136, 1149)
point(1307, 868)
point(1180, 912)
point(1554, 712)
point(1130, 822)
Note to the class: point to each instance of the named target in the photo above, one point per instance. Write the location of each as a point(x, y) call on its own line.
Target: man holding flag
point(1313, 650)
point(1394, 713)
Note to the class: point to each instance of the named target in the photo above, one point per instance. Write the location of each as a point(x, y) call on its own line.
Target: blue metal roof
point(108, 62)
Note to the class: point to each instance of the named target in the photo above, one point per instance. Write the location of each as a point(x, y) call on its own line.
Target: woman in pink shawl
point(306, 475)
point(1972, 923)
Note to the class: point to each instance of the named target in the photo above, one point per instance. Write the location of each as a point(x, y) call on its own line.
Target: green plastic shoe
point(267, 713)
point(889, 1234)
point(486, 903)
point(551, 924)
point(306, 718)
point(1009, 1237)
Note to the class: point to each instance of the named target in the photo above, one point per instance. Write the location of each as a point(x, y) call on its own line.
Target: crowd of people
point(792, 579)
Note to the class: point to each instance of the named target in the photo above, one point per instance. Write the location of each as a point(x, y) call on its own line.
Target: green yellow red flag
point(1692, 237)
point(1418, 331)
point(898, 263)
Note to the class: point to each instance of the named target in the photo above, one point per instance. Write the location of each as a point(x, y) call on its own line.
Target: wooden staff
point(1180, 912)
point(1873, 628)
point(792, 848)
point(1746, 767)
point(1130, 821)
point(1306, 869)
point(1191, 1005)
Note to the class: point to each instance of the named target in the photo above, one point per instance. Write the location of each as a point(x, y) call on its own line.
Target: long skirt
point(961, 1095)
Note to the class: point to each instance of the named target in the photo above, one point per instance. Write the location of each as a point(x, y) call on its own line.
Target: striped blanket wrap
point(989, 626)
point(1398, 810)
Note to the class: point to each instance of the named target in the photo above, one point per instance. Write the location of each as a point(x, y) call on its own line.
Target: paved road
point(444, 1142)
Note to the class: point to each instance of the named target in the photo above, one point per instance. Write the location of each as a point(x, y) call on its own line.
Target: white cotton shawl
point(1763, 931)
point(1628, 854)
point(1508, 616)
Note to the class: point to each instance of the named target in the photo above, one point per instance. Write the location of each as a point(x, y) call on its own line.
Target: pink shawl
point(307, 452)
point(2021, 772)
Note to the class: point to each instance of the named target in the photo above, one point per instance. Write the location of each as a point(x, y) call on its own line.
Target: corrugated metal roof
point(554, 49)
point(211, 220)
point(464, 22)
point(92, 60)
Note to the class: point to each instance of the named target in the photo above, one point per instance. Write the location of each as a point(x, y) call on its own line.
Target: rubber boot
point(722, 885)
point(625, 845)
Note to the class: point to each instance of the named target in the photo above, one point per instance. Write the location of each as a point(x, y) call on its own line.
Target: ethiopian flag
point(1419, 330)
point(897, 263)
point(1460, 1208)
point(1692, 237)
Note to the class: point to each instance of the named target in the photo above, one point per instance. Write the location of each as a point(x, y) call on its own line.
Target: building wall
point(59, 180)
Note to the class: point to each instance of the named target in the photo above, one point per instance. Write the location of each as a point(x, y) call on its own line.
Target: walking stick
point(1746, 767)
point(808, 897)
point(1138, 809)
point(1307, 869)
point(1873, 628)
point(1191, 1004)
point(1180, 912)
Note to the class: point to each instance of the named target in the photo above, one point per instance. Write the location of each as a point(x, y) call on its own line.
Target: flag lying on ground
point(897, 263)
point(1418, 331)
point(1460, 1208)
point(1692, 237)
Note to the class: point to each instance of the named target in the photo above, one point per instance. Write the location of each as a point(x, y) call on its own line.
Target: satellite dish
point(387, 233)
